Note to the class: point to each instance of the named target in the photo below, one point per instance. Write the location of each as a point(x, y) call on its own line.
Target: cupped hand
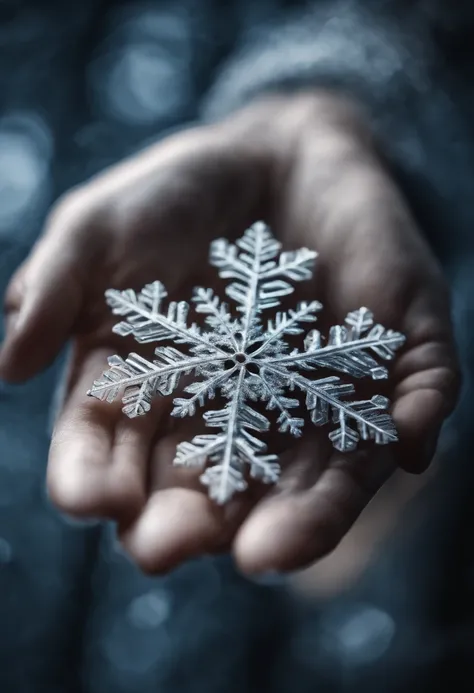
point(307, 165)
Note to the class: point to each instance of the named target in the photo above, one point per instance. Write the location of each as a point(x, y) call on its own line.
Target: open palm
point(318, 182)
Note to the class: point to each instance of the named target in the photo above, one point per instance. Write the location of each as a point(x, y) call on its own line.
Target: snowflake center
point(240, 357)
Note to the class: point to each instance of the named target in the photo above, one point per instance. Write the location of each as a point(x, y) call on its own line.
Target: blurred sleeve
point(353, 46)
point(386, 59)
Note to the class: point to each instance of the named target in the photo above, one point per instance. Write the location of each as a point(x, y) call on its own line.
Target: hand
point(306, 165)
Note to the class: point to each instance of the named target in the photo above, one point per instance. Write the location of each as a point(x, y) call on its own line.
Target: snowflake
point(244, 362)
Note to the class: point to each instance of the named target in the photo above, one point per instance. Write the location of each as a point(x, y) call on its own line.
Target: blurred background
point(83, 84)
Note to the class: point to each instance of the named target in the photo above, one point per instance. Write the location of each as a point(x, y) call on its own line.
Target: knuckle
point(78, 208)
point(323, 110)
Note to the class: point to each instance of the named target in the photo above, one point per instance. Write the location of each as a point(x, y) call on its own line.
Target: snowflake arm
point(324, 397)
point(271, 391)
point(206, 389)
point(259, 282)
point(140, 380)
point(231, 448)
point(218, 316)
point(145, 321)
point(349, 348)
point(287, 323)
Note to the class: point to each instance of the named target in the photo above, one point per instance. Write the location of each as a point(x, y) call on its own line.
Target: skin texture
point(306, 164)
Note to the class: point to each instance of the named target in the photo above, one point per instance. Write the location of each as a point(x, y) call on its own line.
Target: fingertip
point(68, 492)
point(176, 525)
point(79, 493)
point(283, 536)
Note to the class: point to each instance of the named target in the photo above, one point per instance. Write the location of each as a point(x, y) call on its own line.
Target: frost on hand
point(245, 358)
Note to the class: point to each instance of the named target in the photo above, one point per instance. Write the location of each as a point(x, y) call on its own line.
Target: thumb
point(44, 296)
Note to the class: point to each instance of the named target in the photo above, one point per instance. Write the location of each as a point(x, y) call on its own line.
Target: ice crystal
point(247, 360)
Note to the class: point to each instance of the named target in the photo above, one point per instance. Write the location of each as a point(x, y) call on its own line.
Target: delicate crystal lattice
point(246, 359)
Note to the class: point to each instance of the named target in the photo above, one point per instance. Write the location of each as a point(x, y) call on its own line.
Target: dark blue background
point(82, 85)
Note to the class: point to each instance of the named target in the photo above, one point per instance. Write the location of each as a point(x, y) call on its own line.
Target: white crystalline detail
point(239, 360)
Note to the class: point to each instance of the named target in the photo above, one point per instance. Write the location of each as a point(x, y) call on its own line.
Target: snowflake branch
point(295, 264)
point(135, 370)
point(209, 304)
point(289, 325)
point(367, 414)
point(231, 433)
point(187, 406)
point(344, 407)
point(263, 467)
point(287, 422)
point(146, 306)
point(196, 453)
point(251, 304)
point(358, 363)
point(249, 267)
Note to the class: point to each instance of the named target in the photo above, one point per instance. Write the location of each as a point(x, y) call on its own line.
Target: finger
point(180, 521)
point(45, 295)
point(288, 531)
point(176, 525)
point(98, 457)
point(427, 382)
